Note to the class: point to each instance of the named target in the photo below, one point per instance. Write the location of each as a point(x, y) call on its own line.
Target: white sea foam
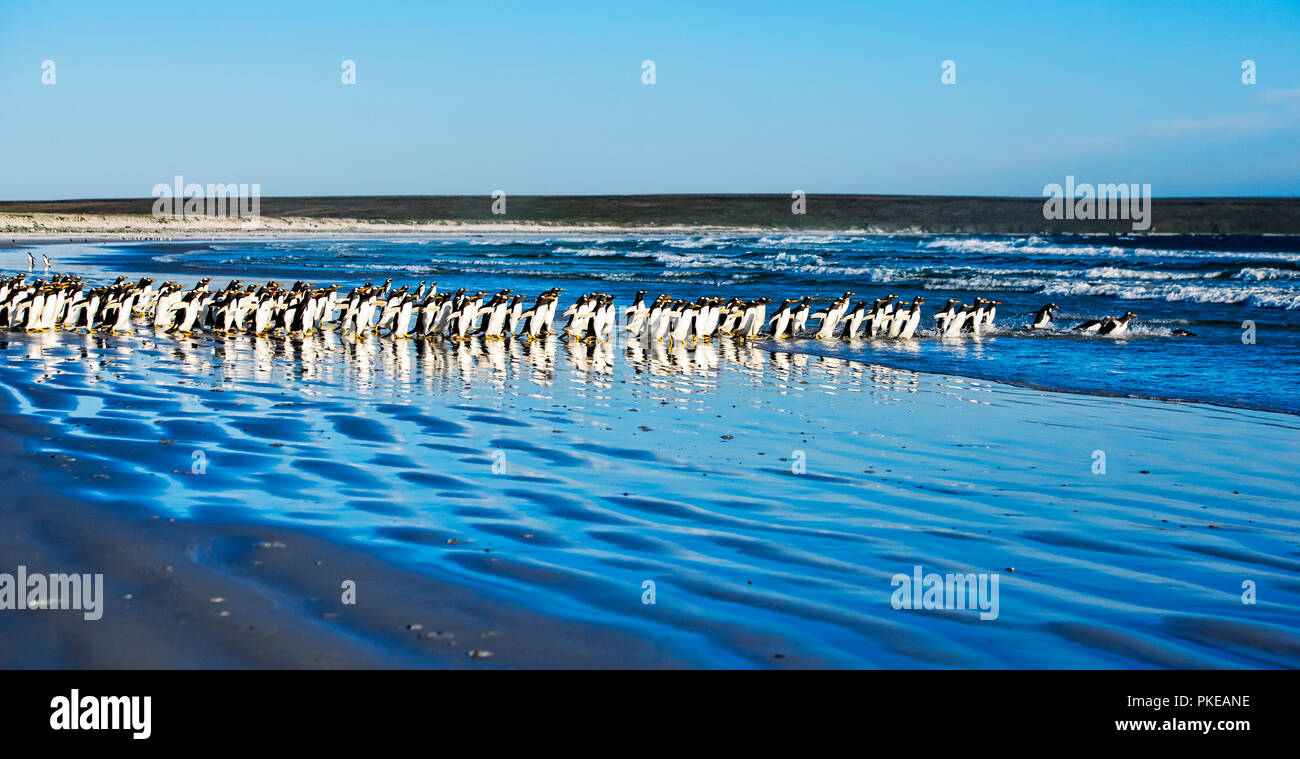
point(1259, 274)
point(1264, 297)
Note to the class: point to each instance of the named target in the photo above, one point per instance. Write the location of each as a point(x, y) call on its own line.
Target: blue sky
point(754, 96)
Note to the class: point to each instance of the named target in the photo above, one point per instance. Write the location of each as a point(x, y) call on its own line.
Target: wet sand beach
point(519, 496)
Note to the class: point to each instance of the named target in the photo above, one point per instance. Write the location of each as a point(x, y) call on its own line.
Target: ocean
point(734, 504)
point(1238, 296)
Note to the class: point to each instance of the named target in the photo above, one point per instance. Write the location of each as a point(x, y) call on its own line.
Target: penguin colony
point(402, 313)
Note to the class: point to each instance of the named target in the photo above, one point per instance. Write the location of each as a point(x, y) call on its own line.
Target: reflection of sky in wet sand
point(624, 463)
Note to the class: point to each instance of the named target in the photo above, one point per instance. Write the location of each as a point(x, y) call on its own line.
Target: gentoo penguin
point(514, 314)
point(799, 317)
point(634, 315)
point(402, 323)
point(31, 261)
point(579, 314)
point(534, 319)
point(392, 303)
point(755, 317)
point(945, 316)
point(1117, 326)
point(495, 315)
point(854, 319)
point(730, 316)
point(548, 315)
point(47, 261)
point(1093, 326)
point(123, 322)
point(660, 318)
point(991, 313)
point(831, 319)
point(898, 319)
point(957, 324)
point(781, 321)
point(685, 320)
point(881, 316)
point(1043, 317)
point(470, 311)
point(602, 323)
point(975, 324)
point(912, 319)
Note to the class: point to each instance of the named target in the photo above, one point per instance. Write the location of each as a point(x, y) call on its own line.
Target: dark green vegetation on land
point(888, 213)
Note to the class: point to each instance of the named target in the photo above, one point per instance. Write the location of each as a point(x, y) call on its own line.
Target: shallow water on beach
point(1218, 287)
point(770, 496)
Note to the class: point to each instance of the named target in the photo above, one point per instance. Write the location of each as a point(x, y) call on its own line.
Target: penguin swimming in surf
point(1094, 325)
point(1117, 326)
point(1043, 317)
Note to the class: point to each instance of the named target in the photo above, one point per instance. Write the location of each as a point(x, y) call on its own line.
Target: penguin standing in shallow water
point(945, 316)
point(911, 320)
point(781, 321)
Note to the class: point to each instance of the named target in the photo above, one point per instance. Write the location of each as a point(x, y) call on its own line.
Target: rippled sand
point(527, 492)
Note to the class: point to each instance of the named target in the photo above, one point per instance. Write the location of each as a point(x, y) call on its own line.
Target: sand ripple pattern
point(560, 479)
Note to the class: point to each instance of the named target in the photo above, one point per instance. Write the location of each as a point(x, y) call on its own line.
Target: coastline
point(650, 214)
point(145, 228)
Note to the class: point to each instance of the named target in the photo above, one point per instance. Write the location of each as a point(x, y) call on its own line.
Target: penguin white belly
point(909, 328)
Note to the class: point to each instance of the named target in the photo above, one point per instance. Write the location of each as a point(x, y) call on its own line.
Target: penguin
point(991, 313)
point(123, 322)
point(975, 324)
point(882, 316)
point(602, 324)
point(534, 319)
point(548, 316)
point(402, 322)
point(755, 317)
point(854, 319)
point(463, 320)
point(685, 320)
point(703, 318)
point(957, 324)
point(1093, 326)
point(31, 261)
point(514, 313)
point(897, 320)
point(831, 319)
point(912, 320)
point(730, 316)
point(496, 312)
point(1117, 326)
point(799, 317)
point(781, 321)
point(659, 319)
point(1043, 317)
point(945, 316)
point(634, 316)
point(579, 314)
